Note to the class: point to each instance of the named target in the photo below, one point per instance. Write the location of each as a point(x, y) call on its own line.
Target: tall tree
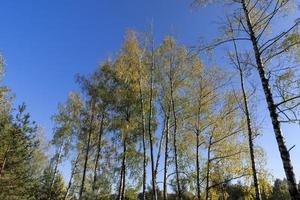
point(128, 109)
point(18, 144)
point(87, 136)
point(65, 133)
point(150, 120)
point(173, 63)
point(236, 60)
point(203, 92)
point(254, 18)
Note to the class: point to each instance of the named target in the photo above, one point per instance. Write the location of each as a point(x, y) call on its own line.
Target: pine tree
point(18, 144)
point(280, 190)
point(56, 186)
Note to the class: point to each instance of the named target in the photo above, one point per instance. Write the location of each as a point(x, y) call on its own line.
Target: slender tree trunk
point(175, 144)
point(150, 131)
point(198, 166)
point(144, 168)
point(3, 165)
point(250, 138)
point(121, 182)
point(165, 184)
point(124, 170)
point(249, 128)
point(144, 138)
point(4, 162)
point(160, 146)
point(87, 149)
point(284, 153)
point(55, 170)
point(99, 146)
point(198, 149)
point(71, 177)
point(208, 169)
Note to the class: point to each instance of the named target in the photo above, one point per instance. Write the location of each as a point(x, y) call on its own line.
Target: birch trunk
point(98, 152)
point(249, 128)
point(86, 157)
point(165, 184)
point(55, 170)
point(250, 138)
point(198, 166)
point(144, 142)
point(150, 131)
point(124, 170)
point(71, 177)
point(179, 195)
point(284, 153)
point(208, 170)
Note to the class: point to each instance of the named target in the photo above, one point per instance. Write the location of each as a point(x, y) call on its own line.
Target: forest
point(159, 121)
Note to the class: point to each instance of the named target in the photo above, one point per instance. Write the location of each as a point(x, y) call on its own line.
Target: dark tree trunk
point(284, 153)
point(144, 167)
point(124, 170)
point(160, 146)
point(71, 177)
point(165, 184)
point(55, 170)
point(250, 138)
point(121, 182)
point(198, 166)
point(179, 195)
point(144, 140)
point(208, 169)
point(86, 157)
point(249, 128)
point(99, 146)
point(154, 192)
point(198, 149)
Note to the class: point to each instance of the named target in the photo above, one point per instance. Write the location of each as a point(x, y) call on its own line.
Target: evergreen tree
point(57, 190)
point(17, 146)
point(280, 190)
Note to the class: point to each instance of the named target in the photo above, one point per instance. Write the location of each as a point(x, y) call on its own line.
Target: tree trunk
point(71, 177)
point(179, 195)
point(3, 165)
point(55, 170)
point(208, 169)
point(144, 142)
point(121, 182)
point(150, 132)
point(198, 167)
point(284, 153)
point(124, 170)
point(198, 149)
point(99, 146)
point(165, 184)
point(87, 150)
point(4, 162)
point(160, 146)
point(249, 128)
point(250, 138)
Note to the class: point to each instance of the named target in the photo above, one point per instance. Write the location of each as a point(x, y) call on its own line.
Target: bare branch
point(287, 100)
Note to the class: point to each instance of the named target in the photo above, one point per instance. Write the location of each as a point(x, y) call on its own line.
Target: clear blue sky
point(45, 43)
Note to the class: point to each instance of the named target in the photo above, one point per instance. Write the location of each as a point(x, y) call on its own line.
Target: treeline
point(157, 110)
point(157, 122)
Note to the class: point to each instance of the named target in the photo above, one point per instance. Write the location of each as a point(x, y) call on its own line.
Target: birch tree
point(253, 20)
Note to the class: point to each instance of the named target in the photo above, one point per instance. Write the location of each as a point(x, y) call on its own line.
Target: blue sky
point(45, 43)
